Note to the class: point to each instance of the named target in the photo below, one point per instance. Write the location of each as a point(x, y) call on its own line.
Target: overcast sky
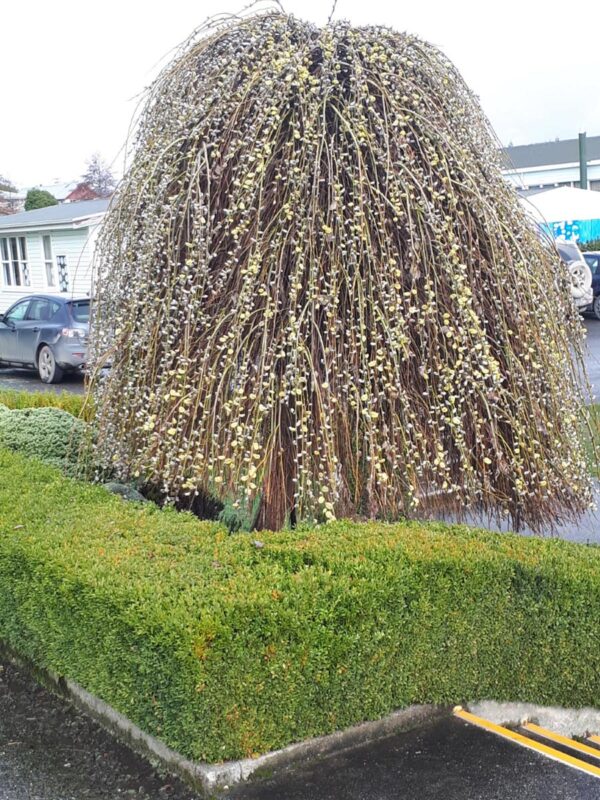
point(71, 71)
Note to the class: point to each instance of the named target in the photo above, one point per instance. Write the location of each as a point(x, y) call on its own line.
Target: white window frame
point(15, 273)
point(49, 265)
point(5, 259)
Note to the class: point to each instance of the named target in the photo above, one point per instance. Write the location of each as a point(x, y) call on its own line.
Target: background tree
point(39, 198)
point(7, 206)
point(6, 185)
point(593, 244)
point(324, 296)
point(98, 176)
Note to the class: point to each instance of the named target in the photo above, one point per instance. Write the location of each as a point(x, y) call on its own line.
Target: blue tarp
point(584, 230)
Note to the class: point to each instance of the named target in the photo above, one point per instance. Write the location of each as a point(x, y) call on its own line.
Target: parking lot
point(592, 360)
point(23, 380)
point(27, 380)
point(49, 751)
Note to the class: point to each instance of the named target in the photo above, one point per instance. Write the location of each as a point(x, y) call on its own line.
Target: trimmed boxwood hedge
point(231, 645)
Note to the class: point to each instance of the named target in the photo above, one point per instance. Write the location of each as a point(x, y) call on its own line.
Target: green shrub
point(48, 434)
point(75, 404)
point(224, 648)
point(593, 244)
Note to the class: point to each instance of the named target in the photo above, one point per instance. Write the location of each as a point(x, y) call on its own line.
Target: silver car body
point(61, 323)
point(579, 271)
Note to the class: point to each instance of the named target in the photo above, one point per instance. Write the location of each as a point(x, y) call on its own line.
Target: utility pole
point(583, 179)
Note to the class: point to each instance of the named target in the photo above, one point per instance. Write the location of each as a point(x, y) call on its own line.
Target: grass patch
point(75, 404)
point(223, 649)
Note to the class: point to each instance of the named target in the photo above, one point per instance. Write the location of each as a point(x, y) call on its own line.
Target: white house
point(548, 165)
point(49, 250)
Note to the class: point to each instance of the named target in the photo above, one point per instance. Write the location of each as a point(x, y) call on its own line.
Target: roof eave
point(73, 224)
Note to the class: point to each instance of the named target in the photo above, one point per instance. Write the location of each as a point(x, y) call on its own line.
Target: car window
point(568, 251)
point(80, 310)
point(43, 310)
point(592, 260)
point(18, 312)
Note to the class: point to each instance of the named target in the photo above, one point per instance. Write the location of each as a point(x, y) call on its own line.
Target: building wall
point(552, 175)
point(76, 245)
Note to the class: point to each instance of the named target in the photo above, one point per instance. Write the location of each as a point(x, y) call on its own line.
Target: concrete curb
point(566, 721)
point(210, 778)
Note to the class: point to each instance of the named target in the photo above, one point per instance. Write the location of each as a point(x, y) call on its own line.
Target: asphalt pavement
point(50, 751)
point(25, 380)
point(448, 760)
point(592, 355)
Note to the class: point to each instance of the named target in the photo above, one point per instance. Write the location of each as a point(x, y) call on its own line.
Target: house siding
point(77, 245)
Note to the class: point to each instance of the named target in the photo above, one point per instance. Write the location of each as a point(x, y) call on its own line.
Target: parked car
point(581, 276)
point(592, 259)
point(47, 333)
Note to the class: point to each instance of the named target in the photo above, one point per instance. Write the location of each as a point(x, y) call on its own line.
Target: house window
point(48, 262)
point(63, 273)
point(13, 251)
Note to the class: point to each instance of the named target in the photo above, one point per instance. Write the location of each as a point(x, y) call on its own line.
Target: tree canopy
point(39, 198)
point(98, 176)
point(325, 299)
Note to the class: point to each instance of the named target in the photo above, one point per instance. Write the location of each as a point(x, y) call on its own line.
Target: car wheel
point(581, 279)
point(48, 369)
point(596, 306)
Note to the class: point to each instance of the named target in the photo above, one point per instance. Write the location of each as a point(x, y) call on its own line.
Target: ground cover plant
point(319, 295)
point(46, 433)
point(227, 646)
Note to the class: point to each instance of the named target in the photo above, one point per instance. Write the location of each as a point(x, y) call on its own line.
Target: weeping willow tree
point(319, 296)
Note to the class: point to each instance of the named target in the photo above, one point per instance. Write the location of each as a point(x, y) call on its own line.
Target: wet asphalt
point(50, 751)
point(592, 355)
point(26, 380)
point(448, 760)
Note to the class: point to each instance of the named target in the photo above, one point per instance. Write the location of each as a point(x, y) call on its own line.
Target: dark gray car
point(46, 333)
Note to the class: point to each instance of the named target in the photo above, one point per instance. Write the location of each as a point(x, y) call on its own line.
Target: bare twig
point(332, 11)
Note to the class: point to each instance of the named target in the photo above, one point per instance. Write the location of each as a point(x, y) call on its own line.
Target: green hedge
point(75, 404)
point(225, 648)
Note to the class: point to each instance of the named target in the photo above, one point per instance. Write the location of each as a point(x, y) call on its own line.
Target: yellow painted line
point(594, 738)
point(556, 737)
point(555, 755)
